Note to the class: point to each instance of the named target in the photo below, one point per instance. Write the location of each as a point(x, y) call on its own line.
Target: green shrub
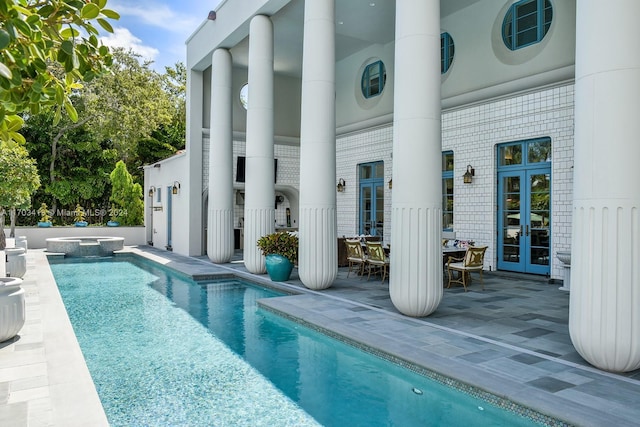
point(282, 243)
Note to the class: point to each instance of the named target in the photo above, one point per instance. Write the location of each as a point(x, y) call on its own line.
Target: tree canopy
point(33, 36)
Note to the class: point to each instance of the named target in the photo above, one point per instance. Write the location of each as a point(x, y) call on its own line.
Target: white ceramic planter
point(12, 307)
point(16, 262)
point(21, 242)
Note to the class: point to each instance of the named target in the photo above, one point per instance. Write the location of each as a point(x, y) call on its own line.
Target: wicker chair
point(355, 256)
point(377, 260)
point(472, 261)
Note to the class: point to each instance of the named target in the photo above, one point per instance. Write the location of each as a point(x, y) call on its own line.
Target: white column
point(220, 209)
point(259, 211)
point(415, 283)
point(604, 310)
point(192, 189)
point(318, 257)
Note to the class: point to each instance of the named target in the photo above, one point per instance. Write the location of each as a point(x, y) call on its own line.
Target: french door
point(372, 199)
point(524, 213)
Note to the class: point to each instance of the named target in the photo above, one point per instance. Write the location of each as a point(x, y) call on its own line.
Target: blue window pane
point(373, 79)
point(447, 50)
point(526, 23)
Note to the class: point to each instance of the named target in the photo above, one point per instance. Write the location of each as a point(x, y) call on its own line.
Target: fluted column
point(259, 213)
point(318, 258)
point(220, 210)
point(604, 310)
point(415, 283)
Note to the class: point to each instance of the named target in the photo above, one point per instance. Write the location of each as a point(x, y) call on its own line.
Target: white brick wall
point(472, 133)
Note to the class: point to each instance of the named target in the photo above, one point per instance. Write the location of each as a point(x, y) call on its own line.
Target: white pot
point(12, 307)
point(16, 262)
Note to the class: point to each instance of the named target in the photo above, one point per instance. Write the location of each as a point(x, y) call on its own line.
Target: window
point(241, 165)
point(371, 198)
point(244, 95)
point(447, 190)
point(373, 79)
point(447, 50)
point(526, 23)
point(529, 152)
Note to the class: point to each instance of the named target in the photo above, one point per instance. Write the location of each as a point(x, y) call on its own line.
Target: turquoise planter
point(278, 267)
point(44, 223)
point(81, 223)
point(112, 223)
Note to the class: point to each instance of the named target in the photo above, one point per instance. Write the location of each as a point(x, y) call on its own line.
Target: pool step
point(89, 249)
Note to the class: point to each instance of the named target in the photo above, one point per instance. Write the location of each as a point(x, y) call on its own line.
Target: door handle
point(521, 229)
point(527, 232)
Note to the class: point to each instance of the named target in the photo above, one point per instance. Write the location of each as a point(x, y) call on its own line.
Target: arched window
point(374, 77)
point(447, 50)
point(526, 23)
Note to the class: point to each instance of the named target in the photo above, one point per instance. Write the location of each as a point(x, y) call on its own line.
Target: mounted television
point(241, 165)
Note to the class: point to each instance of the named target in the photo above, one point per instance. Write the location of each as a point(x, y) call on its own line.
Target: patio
point(510, 340)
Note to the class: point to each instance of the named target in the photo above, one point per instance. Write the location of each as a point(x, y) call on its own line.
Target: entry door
point(169, 219)
point(524, 212)
point(372, 199)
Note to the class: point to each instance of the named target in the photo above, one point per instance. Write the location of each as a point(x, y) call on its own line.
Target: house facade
point(333, 118)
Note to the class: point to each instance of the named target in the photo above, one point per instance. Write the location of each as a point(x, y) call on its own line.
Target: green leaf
point(5, 71)
point(111, 14)
point(104, 24)
point(69, 32)
point(4, 39)
point(14, 123)
point(90, 11)
point(67, 47)
point(71, 110)
point(57, 115)
point(17, 138)
point(23, 27)
point(103, 50)
point(101, 3)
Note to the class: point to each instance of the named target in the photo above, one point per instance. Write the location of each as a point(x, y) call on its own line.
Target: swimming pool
point(164, 350)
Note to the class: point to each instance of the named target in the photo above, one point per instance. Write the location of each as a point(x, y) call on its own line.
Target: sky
point(157, 29)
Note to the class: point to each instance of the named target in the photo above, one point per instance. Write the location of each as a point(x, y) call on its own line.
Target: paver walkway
point(510, 339)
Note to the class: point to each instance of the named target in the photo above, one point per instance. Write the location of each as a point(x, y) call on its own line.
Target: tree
point(35, 34)
point(127, 104)
point(127, 196)
point(18, 180)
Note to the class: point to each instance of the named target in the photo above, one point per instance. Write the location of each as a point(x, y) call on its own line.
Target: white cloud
point(122, 37)
point(159, 15)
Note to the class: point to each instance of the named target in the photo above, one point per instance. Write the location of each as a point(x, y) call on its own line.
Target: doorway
point(524, 206)
point(372, 198)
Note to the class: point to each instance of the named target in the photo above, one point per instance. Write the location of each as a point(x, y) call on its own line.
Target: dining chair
point(377, 260)
point(355, 256)
point(472, 261)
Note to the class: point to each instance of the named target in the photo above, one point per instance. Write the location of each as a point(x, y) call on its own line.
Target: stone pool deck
point(510, 340)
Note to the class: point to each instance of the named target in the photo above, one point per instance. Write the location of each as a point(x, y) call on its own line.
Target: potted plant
point(281, 254)
point(45, 219)
point(114, 216)
point(80, 214)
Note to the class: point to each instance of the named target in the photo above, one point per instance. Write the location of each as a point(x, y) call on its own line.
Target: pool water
point(166, 351)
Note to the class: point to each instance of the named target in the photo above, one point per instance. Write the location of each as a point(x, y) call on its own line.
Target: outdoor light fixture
point(468, 175)
point(341, 185)
point(176, 187)
point(152, 190)
point(390, 183)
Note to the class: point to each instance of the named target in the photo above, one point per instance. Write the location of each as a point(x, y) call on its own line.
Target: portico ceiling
point(359, 24)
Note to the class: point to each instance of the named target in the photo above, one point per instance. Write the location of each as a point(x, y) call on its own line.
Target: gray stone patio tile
point(533, 332)
point(550, 384)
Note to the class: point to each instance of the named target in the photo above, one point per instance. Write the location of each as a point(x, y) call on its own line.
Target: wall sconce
point(341, 185)
point(176, 187)
point(390, 183)
point(468, 175)
point(152, 190)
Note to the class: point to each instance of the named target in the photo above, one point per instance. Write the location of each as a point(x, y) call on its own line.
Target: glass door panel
point(539, 220)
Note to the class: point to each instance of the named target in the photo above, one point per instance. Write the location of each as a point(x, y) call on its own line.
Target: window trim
point(541, 26)
point(447, 174)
